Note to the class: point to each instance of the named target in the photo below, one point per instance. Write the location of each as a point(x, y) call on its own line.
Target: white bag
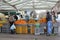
point(12, 27)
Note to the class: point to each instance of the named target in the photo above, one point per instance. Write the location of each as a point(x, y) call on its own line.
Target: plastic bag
point(12, 27)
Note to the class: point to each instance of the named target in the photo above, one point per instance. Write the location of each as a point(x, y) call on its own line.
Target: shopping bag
point(12, 27)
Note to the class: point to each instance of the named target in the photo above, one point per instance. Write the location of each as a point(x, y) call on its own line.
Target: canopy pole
point(8, 13)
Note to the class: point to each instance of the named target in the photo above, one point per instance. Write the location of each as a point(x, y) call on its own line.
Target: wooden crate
point(19, 29)
point(32, 29)
point(24, 30)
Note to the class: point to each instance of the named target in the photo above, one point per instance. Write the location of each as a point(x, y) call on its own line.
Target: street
point(27, 37)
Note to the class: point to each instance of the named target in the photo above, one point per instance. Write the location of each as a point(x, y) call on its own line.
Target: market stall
point(21, 26)
point(2, 21)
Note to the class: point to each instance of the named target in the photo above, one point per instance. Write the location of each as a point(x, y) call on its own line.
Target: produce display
point(44, 20)
point(3, 22)
point(2, 19)
point(1, 25)
point(40, 21)
point(21, 22)
point(31, 21)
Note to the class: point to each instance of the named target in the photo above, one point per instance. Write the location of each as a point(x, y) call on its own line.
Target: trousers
point(49, 27)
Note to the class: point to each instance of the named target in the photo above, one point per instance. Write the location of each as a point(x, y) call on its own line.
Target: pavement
point(6, 36)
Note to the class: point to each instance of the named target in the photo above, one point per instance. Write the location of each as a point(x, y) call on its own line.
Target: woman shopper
point(49, 23)
point(11, 20)
point(12, 26)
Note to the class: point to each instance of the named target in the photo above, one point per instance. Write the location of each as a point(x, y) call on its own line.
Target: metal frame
point(49, 3)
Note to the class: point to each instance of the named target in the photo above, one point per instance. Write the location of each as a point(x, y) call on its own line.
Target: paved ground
point(27, 37)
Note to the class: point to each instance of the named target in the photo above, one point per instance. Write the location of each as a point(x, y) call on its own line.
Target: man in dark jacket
point(48, 17)
point(49, 23)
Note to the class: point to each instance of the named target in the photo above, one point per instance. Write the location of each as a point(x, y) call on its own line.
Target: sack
point(12, 27)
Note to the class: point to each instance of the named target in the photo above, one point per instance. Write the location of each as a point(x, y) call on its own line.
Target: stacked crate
point(18, 29)
point(24, 30)
point(32, 27)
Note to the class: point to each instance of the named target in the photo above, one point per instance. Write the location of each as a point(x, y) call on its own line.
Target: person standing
point(53, 20)
point(37, 28)
point(15, 17)
point(49, 23)
point(11, 21)
point(53, 16)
